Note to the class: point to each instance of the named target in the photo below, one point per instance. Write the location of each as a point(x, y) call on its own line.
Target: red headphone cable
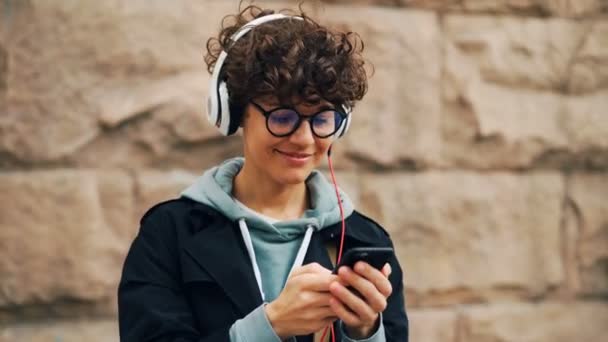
point(333, 178)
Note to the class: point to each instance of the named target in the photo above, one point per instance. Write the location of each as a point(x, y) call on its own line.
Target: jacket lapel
point(219, 251)
point(317, 252)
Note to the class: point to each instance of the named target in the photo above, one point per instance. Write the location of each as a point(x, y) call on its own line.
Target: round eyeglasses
point(283, 121)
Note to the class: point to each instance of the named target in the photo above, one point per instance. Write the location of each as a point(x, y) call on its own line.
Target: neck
point(260, 193)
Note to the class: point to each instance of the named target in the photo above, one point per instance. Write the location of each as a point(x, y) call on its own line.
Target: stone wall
point(482, 146)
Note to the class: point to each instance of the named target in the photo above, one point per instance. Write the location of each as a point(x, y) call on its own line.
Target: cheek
point(321, 152)
point(264, 146)
point(258, 140)
point(323, 145)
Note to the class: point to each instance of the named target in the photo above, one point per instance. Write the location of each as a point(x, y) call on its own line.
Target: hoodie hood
point(214, 188)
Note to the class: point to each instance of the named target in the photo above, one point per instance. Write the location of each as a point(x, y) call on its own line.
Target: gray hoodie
point(274, 247)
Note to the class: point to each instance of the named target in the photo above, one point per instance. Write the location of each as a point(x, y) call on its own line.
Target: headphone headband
point(258, 21)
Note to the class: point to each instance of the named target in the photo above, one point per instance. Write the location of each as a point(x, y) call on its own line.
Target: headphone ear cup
point(224, 109)
point(345, 123)
point(214, 109)
point(213, 105)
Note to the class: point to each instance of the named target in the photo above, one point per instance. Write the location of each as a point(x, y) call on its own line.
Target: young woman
point(247, 252)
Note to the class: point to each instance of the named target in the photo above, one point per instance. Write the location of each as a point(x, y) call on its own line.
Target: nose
point(303, 134)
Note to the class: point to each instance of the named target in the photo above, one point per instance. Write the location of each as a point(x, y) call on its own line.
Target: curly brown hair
point(288, 58)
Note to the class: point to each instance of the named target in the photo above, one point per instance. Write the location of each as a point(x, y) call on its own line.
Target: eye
point(320, 121)
point(324, 118)
point(283, 117)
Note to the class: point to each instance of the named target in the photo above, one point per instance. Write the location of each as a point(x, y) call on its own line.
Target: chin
point(293, 177)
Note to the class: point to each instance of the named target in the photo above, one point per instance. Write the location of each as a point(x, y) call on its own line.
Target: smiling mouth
point(295, 155)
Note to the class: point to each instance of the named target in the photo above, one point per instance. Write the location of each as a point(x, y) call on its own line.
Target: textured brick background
point(482, 146)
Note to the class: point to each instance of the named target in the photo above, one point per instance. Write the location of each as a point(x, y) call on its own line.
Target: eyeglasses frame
point(309, 118)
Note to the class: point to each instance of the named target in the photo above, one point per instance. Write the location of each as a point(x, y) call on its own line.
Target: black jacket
point(187, 276)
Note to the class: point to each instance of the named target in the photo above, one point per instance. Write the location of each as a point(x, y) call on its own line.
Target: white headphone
point(218, 108)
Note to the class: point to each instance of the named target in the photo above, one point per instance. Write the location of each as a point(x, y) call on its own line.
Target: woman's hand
point(359, 312)
point(303, 306)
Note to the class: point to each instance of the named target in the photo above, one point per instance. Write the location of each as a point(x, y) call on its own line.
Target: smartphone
point(377, 257)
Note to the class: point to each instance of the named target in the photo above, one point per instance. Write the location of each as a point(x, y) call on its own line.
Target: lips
point(295, 154)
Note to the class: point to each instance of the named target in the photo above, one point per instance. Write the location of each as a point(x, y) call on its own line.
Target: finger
point(368, 290)
point(314, 282)
point(387, 269)
point(313, 320)
point(316, 314)
point(356, 304)
point(313, 267)
point(313, 299)
point(343, 313)
point(376, 277)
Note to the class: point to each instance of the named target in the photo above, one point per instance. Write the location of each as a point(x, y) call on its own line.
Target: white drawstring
point(251, 252)
point(256, 269)
point(302, 251)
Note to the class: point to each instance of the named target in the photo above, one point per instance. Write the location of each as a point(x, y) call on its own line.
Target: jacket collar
point(219, 250)
point(358, 227)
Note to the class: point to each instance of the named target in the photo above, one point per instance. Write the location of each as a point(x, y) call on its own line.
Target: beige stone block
point(154, 187)
point(589, 69)
point(563, 8)
point(574, 8)
point(585, 120)
point(432, 325)
point(572, 123)
point(501, 105)
point(398, 120)
point(77, 331)
point(167, 138)
point(99, 79)
point(117, 199)
point(550, 322)
point(3, 74)
point(519, 52)
point(588, 194)
point(465, 237)
point(118, 104)
point(364, 2)
point(515, 128)
point(55, 236)
point(523, 119)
